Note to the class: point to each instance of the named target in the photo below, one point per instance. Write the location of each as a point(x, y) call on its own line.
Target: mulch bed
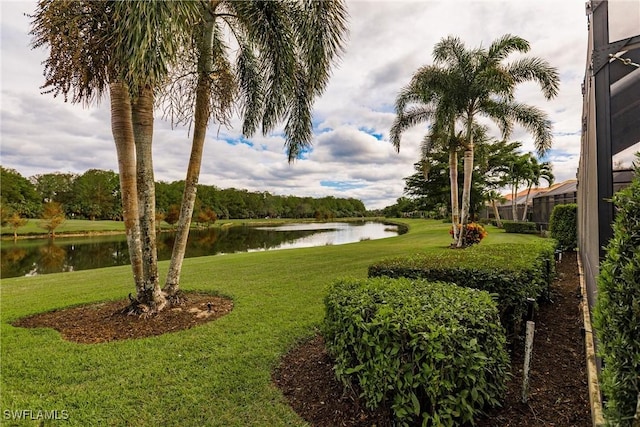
point(558, 394)
point(104, 322)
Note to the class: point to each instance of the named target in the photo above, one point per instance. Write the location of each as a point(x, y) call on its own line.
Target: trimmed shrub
point(617, 311)
point(563, 226)
point(521, 227)
point(432, 352)
point(512, 272)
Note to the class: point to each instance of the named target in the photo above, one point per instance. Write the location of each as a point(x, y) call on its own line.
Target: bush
point(617, 311)
point(523, 227)
point(512, 272)
point(432, 352)
point(474, 233)
point(563, 226)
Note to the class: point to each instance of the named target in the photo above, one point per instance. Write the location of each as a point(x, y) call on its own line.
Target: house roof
point(568, 186)
point(623, 175)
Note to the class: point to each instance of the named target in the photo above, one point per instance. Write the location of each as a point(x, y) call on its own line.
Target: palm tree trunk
point(514, 207)
point(526, 204)
point(453, 180)
point(122, 130)
point(466, 191)
point(202, 113)
point(466, 185)
point(142, 113)
point(496, 213)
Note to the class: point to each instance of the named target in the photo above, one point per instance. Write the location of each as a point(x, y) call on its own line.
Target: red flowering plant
point(474, 233)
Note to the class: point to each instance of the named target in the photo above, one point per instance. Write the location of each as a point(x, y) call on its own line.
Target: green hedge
point(522, 227)
point(512, 272)
point(617, 311)
point(563, 226)
point(432, 352)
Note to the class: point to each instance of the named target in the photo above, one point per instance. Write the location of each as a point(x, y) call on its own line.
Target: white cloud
point(388, 41)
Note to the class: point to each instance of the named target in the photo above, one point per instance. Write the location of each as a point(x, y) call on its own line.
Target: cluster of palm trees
point(202, 60)
point(528, 171)
point(460, 88)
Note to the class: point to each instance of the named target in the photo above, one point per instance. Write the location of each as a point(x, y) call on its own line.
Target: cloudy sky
point(351, 155)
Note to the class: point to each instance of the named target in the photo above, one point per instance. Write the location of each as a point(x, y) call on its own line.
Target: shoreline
point(222, 225)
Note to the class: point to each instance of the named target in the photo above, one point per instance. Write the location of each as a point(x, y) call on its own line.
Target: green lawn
point(32, 227)
point(217, 374)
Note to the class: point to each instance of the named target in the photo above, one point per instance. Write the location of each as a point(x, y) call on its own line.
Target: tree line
point(95, 195)
point(499, 165)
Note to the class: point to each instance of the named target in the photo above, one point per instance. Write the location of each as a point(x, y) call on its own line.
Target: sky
point(351, 154)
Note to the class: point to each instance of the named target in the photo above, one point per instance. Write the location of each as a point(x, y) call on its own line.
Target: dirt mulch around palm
point(106, 321)
point(558, 382)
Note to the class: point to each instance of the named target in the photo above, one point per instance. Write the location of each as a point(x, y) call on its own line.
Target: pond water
point(41, 256)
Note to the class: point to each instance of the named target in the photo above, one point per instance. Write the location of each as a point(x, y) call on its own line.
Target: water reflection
point(42, 256)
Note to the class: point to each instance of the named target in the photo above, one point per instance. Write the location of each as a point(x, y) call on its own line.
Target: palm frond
point(506, 45)
point(251, 87)
point(321, 31)
point(76, 33)
point(411, 117)
point(535, 121)
point(536, 69)
point(298, 129)
point(145, 49)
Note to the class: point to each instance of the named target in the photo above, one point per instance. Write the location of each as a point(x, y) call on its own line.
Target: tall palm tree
point(519, 172)
point(485, 86)
point(81, 69)
point(145, 49)
point(494, 197)
point(127, 48)
point(285, 53)
point(428, 99)
point(536, 172)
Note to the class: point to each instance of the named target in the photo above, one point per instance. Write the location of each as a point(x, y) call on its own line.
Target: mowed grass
point(218, 374)
point(33, 227)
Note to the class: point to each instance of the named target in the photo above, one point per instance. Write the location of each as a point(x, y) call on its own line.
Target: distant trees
point(52, 217)
point(172, 215)
point(95, 194)
point(17, 194)
point(55, 187)
point(429, 187)
point(526, 170)
point(207, 216)
point(536, 171)
point(13, 220)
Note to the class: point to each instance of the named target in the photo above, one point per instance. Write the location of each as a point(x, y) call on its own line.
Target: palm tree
point(79, 68)
point(485, 86)
point(285, 54)
point(494, 198)
point(427, 99)
point(127, 49)
point(536, 172)
point(519, 172)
